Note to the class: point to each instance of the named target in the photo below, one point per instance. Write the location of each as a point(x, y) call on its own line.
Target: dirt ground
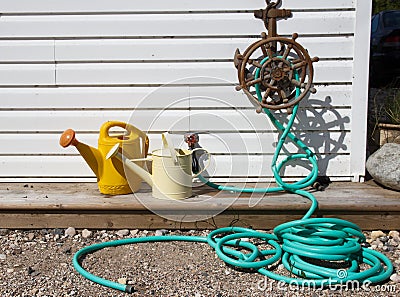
point(39, 263)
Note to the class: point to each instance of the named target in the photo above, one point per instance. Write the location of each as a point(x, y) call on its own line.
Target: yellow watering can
point(171, 169)
point(110, 174)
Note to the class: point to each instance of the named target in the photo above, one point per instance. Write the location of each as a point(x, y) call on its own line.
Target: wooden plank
point(248, 120)
point(207, 120)
point(23, 51)
point(259, 166)
point(184, 49)
point(57, 205)
point(88, 120)
point(251, 166)
point(76, 6)
point(40, 200)
point(236, 143)
point(153, 97)
point(27, 74)
point(228, 97)
point(98, 97)
point(134, 220)
point(139, 220)
point(171, 73)
point(338, 196)
point(146, 73)
point(134, 25)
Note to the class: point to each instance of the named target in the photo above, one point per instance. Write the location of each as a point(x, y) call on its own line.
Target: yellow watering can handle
point(132, 130)
point(208, 163)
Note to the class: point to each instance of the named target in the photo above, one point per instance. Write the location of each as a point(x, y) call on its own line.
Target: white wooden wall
point(78, 63)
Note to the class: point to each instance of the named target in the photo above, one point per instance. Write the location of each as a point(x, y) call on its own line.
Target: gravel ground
point(38, 263)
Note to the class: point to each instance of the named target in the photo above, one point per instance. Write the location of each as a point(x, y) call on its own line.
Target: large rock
point(384, 165)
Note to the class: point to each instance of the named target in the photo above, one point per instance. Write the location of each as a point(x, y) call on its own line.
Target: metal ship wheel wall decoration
point(279, 68)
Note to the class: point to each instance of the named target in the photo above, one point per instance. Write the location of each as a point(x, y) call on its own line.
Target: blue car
point(385, 47)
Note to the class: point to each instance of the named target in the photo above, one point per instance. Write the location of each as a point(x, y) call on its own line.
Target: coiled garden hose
point(316, 252)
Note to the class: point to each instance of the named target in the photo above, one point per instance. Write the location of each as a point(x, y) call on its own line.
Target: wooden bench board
point(59, 205)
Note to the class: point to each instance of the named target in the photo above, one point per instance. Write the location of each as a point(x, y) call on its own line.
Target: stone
point(122, 280)
point(58, 231)
point(134, 232)
point(376, 234)
point(86, 233)
point(122, 233)
point(384, 239)
point(3, 256)
point(3, 232)
point(67, 250)
point(70, 231)
point(31, 236)
point(161, 232)
point(384, 165)
point(16, 250)
point(395, 278)
point(395, 235)
point(34, 291)
point(30, 270)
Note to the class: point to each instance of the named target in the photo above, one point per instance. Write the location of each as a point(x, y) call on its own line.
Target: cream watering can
point(171, 169)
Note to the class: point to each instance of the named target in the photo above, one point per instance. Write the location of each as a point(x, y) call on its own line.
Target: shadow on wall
point(322, 128)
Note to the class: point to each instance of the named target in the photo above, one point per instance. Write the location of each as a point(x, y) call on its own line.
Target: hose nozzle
point(191, 139)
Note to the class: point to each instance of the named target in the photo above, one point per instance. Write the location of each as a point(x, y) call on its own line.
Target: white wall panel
point(27, 74)
point(227, 166)
point(97, 97)
point(41, 121)
point(26, 51)
point(185, 49)
point(166, 73)
point(174, 120)
point(106, 6)
point(325, 142)
point(76, 64)
point(135, 25)
point(228, 97)
point(248, 120)
point(153, 97)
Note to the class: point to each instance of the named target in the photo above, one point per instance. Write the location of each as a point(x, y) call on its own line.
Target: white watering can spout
point(114, 152)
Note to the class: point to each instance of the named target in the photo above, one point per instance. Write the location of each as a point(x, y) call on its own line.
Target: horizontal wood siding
point(163, 65)
point(128, 6)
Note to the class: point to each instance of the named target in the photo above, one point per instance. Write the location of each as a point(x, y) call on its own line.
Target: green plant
point(383, 115)
point(392, 107)
point(379, 5)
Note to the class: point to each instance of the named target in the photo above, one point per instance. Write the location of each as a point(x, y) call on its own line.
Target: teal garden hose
point(319, 251)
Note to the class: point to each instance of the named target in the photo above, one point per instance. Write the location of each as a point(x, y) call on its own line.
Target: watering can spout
point(91, 155)
point(132, 167)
